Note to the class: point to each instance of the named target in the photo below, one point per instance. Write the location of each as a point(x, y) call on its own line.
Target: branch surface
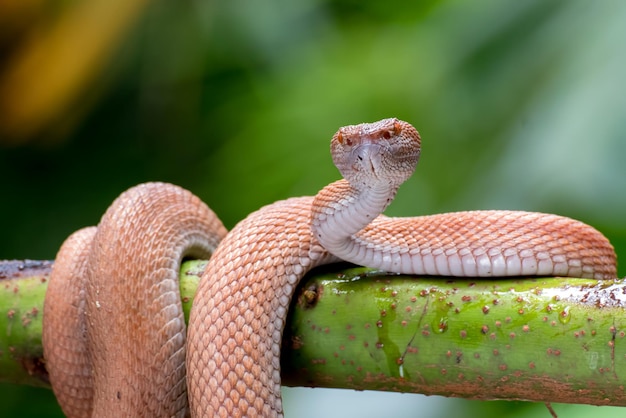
point(537, 339)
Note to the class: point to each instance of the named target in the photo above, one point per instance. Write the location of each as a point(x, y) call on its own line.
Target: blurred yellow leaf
point(44, 81)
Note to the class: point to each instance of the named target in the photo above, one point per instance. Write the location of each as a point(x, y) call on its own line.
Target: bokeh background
point(521, 105)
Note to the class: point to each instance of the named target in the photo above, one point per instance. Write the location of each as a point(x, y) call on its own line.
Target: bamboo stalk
point(539, 339)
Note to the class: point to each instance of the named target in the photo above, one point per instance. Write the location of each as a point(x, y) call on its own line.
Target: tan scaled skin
point(114, 331)
point(107, 366)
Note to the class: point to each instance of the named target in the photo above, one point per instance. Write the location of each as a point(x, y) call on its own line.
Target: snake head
point(379, 154)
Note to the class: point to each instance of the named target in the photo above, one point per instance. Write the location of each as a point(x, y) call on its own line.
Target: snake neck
point(335, 221)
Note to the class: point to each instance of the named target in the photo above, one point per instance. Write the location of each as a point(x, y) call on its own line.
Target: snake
point(114, 336)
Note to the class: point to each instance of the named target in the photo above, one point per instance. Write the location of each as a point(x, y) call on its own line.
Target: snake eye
point(395, 130)
point(343, 139)
point(397, 127)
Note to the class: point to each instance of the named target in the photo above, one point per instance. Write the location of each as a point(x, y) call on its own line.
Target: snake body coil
point(103, 365)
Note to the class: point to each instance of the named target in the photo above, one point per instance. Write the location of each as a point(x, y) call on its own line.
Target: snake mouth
point(368, 157)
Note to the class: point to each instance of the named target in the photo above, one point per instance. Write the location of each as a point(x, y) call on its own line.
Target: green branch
point(541, 339)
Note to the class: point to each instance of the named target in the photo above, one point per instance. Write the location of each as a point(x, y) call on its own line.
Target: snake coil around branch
point(228, 363)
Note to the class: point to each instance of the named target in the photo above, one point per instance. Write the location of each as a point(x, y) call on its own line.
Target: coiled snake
point(114, 333)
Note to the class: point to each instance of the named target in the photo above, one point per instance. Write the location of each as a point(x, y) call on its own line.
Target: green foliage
point(520, 106)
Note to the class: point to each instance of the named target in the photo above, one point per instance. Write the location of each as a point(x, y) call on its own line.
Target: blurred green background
point(521, 105)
